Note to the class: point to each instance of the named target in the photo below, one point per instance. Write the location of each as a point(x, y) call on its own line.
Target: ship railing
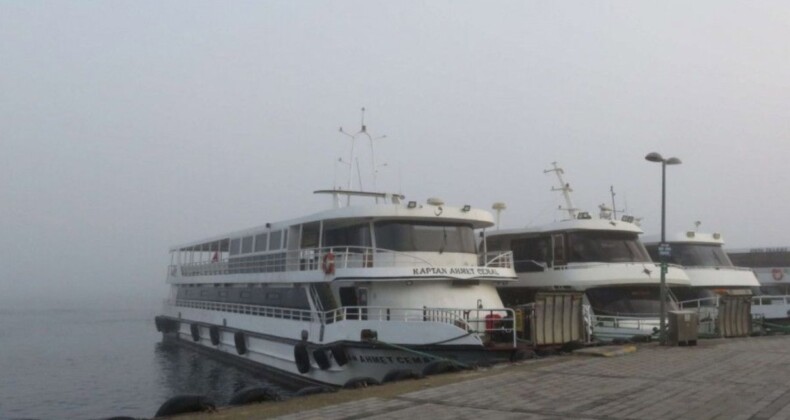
point(699, 303)
point(245, 309)
point(644, 323)
point(313, 259)
point(497, 259)
point(771, 300)
point(491, 322)
point(572, 265)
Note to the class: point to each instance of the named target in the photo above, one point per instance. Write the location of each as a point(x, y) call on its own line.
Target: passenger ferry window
point(260, 242)
point(558, 242)
point(602, 246)
point(246, 245)
point(425, 236)
point(285, 239)
point(310, 235)
point(235, 246)
point(530, 254)
point(354, 235)
point(274, 242)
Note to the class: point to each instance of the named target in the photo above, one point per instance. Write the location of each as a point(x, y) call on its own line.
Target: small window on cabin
point(275, 240)
point(235, 246)
point(285, 239)
point(246, 245)
point(357, 235)
point(530, 254)
point(558, 241)
point(261, 241)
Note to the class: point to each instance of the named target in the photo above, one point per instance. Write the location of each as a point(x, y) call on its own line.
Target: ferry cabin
point(382, 256)
point(602, 257)
point(708, 267)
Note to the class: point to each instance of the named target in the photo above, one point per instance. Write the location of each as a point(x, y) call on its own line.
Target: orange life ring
point(328, 263)
point(777, 274)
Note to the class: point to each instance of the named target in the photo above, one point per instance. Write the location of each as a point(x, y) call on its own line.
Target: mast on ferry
point(363, 131)
point(565, 188)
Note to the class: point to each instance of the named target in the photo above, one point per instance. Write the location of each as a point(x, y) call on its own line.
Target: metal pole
point(663, 284)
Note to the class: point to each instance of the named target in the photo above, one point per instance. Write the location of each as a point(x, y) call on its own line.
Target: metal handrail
point(469, 320)
point(311, 259)
point(772, 300)
point(697, 303)
point(501, 259)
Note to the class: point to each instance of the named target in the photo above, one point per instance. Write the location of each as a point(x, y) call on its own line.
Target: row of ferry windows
point(272, 241)
point(393, 235)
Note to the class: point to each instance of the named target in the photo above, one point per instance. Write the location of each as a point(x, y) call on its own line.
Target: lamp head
point(654, 157)
point(673, 161)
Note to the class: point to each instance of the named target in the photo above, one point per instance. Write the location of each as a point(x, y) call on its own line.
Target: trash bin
point(682, 328)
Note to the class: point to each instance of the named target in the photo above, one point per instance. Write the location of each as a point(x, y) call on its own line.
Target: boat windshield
point(695, 255)
point(627, 301)
point(603, 246)
point(425, 236)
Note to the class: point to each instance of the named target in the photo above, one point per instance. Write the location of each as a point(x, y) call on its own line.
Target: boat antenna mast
point(611, 214)
point(363, 131)
point(565, 188)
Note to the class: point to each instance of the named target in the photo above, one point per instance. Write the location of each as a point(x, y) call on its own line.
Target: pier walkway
point(746, 378)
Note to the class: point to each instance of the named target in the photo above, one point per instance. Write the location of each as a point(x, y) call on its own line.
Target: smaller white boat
point(599, 256)
point(709, 270)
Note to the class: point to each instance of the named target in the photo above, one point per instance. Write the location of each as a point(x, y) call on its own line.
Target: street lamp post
point(656, 157)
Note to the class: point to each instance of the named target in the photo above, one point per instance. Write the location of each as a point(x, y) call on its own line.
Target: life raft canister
point(328, 263)
point(777, 274)
point(492, 320)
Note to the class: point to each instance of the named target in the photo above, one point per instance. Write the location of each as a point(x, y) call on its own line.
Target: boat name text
point(390, 360)
point(433, 271)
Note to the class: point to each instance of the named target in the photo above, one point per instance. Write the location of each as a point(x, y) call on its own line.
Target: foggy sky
point(128, 127)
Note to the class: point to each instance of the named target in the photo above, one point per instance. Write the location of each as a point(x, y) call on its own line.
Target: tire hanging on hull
point(321, 358)
point(302, 358)
point(339, 354)
point(241, 343)
point(213, 333)
point(195, 330)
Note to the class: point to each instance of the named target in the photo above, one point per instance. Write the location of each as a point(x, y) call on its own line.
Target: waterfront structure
point(709, 270)
point(600, 256)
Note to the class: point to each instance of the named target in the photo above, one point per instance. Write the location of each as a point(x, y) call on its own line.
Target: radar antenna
point(565, 188)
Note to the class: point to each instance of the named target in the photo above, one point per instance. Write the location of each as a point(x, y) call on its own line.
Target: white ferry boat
point(709, 269)
point(356, 293)
point(772, 268)
point(600, 256)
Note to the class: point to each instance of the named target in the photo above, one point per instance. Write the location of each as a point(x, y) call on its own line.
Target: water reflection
point(186, 371)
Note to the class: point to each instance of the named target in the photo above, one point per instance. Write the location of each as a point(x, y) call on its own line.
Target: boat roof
point(477, 218)
point(689, 237)
point(571, 225)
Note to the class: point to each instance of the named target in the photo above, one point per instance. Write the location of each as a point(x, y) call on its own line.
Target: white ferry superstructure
point(710, 272)
point(361, 292)
point(708, 267)
point(601, 257)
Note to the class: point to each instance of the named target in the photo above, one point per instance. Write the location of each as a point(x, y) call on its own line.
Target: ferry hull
point(337, 364)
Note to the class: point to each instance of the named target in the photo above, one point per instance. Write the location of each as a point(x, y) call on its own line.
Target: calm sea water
point(87, 361)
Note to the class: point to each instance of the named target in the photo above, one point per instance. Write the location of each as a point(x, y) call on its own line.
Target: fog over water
point(127, 127)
